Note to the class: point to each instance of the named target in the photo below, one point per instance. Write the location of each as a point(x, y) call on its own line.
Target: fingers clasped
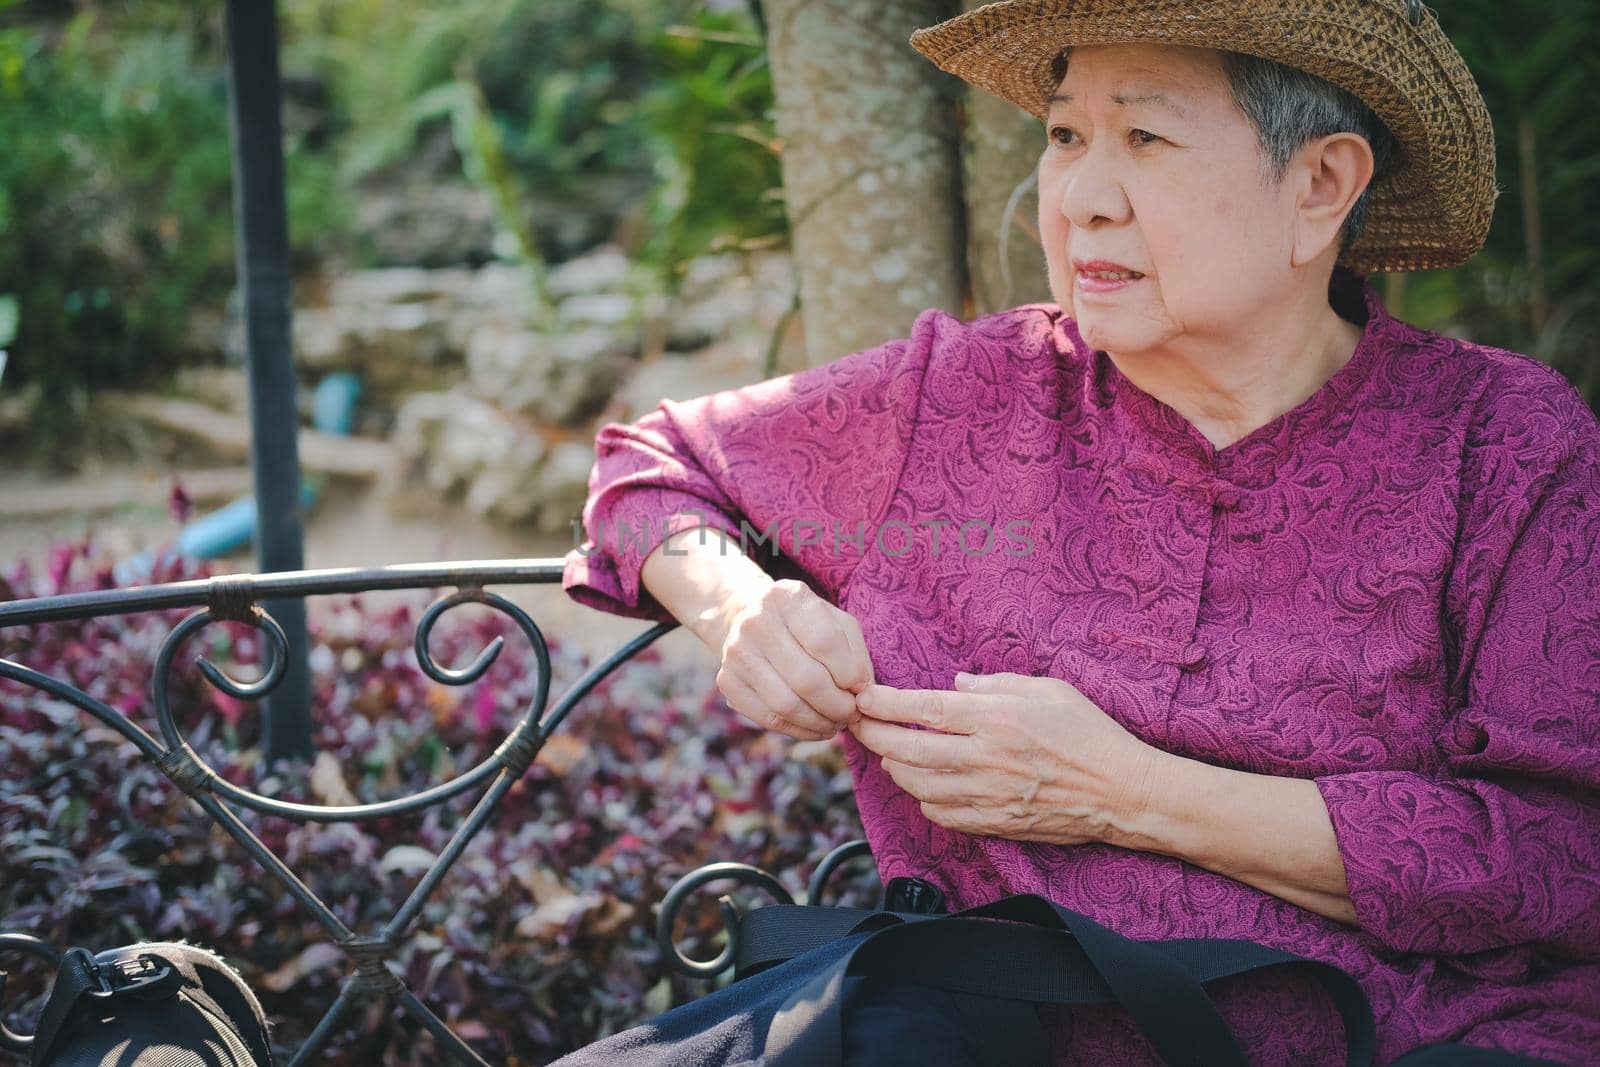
point(793, 663)
point(1002, 755)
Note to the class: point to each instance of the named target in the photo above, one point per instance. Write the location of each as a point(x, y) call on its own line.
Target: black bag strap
point(1211, 958)
point(768, 936)
point(1047, 953)
point(75, 978)
point(1144, 974)
point(1167, 1002)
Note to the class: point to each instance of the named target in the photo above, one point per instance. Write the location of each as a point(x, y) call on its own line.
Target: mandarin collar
point(1161, 440)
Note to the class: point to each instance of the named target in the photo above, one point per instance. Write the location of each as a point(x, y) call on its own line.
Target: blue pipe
point(232, 526)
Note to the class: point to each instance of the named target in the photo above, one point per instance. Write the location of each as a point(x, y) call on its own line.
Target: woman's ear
point(1333, 171)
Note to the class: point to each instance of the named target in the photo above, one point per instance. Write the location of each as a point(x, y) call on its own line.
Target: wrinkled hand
point(793, 662)
point(1030, 759)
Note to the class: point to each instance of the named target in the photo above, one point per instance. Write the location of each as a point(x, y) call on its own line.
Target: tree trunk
point(871, 169)
point(1002, 147)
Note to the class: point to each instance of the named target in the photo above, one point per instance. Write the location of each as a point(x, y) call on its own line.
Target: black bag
point(166, 1004)
point(811, 983)
point(1044, 954)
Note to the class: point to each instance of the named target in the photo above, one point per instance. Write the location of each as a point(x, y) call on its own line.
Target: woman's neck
point(1229, 390)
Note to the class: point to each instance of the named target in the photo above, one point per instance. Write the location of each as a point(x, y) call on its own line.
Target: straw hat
point(1431, 210)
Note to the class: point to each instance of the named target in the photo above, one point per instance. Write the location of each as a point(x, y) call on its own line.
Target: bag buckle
point(914, 895)
point(143, 976)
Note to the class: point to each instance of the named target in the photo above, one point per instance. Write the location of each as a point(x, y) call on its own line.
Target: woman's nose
point(1092, 191)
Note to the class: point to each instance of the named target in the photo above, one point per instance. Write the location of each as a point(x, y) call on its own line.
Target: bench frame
point(237, 598)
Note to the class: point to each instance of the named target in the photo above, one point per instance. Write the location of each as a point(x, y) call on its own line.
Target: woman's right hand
point(792, 662)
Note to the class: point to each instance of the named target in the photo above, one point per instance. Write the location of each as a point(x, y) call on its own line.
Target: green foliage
point(557, 77)
point(115, 196)
point(654, 114)
point(481, 146)
point(717, 167)
point(547, 100)
point(115, 189)
point(1534, 287)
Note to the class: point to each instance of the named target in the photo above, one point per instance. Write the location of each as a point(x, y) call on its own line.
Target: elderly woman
point(1209, 600)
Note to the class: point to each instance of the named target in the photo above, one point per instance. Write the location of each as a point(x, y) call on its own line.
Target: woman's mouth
point(1098, 276)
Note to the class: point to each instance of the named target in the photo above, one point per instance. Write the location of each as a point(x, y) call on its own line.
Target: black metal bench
point(238, 598)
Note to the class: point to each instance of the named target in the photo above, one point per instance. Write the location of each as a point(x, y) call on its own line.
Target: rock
point(206, 331)
point(705, 277)
point(433, 224)
point(706, 274)
point(697, 325)
point(503, 288)
point(604, 270)
point(393, 347)
point(503, 495)
point(428, 224)
point(554, 377)
point(683, 377)
point(501, 467)
point(506, 287)
point(615, 310)
point(417, 428)
point(450, 438)
point(405, 329)
point(227, 388)
point(498, 412)
point(727, 297)
point(395, 285)
point(564, 485)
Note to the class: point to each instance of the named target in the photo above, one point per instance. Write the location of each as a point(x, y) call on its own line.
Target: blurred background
point(507, 220)
point(513, 219)
point(510, 221)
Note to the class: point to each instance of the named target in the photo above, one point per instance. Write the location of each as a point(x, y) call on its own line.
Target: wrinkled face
point(1150, 165)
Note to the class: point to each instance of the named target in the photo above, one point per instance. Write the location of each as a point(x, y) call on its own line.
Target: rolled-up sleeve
point(1501, 847)
point(807, 461)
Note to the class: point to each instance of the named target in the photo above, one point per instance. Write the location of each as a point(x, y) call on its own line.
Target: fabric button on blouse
point(1410, 619)
point(1192, 656)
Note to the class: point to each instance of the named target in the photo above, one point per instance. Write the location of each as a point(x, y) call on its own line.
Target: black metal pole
point(261, 228)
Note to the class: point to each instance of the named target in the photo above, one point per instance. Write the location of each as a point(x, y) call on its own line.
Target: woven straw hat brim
point(1431, 210)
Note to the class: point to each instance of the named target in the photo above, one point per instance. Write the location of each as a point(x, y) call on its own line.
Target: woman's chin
point(1105, 333)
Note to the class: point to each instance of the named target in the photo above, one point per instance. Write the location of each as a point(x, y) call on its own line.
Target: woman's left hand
point(1030, 759)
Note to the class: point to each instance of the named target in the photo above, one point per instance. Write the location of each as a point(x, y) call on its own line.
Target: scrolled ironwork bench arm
point(235, 598)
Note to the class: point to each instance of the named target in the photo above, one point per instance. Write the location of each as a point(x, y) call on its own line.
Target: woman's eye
point(1143, 137)
point(1061, 135)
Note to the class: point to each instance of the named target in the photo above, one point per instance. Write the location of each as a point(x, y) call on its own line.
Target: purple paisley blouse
point(1392, 590)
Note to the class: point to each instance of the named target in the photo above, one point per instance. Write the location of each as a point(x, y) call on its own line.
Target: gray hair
point(1290, 108)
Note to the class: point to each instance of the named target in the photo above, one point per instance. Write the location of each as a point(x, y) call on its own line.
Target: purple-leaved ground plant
point(541, 938)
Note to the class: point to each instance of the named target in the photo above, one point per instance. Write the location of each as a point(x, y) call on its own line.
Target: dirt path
point(349, 527)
